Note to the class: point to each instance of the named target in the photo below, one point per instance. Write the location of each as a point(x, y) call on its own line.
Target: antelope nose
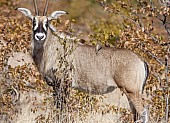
point(40, 37)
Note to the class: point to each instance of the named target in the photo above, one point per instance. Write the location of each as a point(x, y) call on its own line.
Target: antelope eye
point(46, 24)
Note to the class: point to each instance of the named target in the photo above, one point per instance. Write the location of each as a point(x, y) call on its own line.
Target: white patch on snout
point(44, 24)
point(37, 35)
point(36, 24)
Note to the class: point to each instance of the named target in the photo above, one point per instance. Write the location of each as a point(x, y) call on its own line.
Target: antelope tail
point(146, 75)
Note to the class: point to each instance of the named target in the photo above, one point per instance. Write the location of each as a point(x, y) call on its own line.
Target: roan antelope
point(96, 73)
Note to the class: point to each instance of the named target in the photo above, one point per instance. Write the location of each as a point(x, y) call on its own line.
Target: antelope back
point(110, 68)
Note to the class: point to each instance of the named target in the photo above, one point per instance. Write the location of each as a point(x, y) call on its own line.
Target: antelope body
point(95, 73)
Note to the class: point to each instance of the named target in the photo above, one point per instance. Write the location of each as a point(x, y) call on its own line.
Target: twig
point(153, 56)
point(17, 94)
point(167, 108)
point(167, 81)
point(165, 23)
point(157, 75)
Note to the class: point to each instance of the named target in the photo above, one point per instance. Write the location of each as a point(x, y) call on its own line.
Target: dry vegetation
point(140, 26)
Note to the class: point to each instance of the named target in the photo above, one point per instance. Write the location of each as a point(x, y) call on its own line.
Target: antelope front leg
point(60, 89)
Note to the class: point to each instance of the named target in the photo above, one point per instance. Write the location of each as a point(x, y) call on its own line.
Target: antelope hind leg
point(135, 102)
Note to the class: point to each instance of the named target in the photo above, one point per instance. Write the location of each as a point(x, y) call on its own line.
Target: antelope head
point(40, 24)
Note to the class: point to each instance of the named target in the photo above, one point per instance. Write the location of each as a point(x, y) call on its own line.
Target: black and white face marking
point(40, 23)
point(40, 28)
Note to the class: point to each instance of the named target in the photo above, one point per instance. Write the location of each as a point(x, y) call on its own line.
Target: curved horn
point(36, 7)
point(46, 7)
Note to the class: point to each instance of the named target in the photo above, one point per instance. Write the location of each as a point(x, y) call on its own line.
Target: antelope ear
point(26, 12)
point(56, 14)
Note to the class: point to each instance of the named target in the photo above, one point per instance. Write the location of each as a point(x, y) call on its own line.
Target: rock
point(2, 43)
point(33, 106)
point(19, 59)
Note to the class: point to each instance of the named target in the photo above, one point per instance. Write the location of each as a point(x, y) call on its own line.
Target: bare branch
point(156, 58)
point(165, 23)
point(164, 3)
point(167, 81)
point(167, 108)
